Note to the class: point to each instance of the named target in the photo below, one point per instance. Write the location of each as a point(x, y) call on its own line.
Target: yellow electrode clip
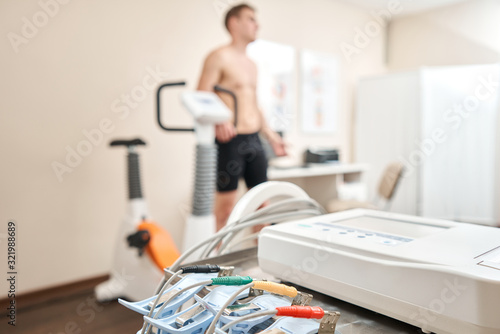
point(280, 289)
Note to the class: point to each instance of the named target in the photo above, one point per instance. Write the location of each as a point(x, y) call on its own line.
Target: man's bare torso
point(239, 74)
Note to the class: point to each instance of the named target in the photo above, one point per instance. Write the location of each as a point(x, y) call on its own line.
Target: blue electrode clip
point(196, 318)
point(144, 306)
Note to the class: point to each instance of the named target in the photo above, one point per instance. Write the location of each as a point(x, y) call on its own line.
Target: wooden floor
point(74, 314)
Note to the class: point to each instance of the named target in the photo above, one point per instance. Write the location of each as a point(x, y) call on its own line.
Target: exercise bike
point(143, 248)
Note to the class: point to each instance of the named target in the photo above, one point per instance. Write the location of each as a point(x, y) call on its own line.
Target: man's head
point(241, 23)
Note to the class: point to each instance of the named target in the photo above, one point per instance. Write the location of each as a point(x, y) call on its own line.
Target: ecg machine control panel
point(356, 233)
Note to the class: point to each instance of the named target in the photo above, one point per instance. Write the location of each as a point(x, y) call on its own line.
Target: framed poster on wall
point(319, 92)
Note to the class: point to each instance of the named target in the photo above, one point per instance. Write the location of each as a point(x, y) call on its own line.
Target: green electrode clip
point(232, 280)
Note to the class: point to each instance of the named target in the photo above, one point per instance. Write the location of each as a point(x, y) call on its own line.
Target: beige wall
point(69, 76)
point(466, 33)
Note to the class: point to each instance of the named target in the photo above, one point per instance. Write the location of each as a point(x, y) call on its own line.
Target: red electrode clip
point(309, 312)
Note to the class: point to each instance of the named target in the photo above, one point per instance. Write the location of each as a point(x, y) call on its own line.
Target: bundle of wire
point(246, 282)
point(282, 211)
point(275, 213)
point(240, 283)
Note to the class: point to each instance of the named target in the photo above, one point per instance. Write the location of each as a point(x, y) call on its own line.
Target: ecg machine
point(441, 276)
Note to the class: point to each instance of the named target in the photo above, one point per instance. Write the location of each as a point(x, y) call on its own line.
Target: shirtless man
point(240, 150)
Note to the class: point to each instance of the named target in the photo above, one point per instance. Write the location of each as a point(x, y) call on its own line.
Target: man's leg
point(224, 204)
point(256, 170)
point(229, 168)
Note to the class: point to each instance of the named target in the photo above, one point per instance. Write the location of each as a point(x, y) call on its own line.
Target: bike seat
point(128, 143)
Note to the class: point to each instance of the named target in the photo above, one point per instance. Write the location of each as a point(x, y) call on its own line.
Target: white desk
point(319, 180)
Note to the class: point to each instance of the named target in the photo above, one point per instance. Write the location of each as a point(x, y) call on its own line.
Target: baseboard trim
point(32, 299)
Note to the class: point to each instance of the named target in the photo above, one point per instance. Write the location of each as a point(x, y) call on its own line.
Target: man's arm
point(211, 72)
point(210, 76)
point(277, 143)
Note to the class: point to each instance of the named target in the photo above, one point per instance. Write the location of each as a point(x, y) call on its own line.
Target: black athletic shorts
point(243, 156)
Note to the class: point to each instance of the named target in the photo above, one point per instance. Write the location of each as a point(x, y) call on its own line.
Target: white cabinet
point(442, 123)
